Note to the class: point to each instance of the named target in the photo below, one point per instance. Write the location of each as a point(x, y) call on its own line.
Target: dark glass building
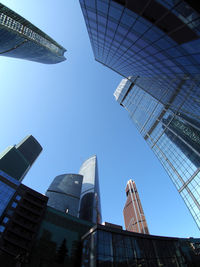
point(20, 220)
point(21, 39)
point(16, 160)
point(134, 217)
point(64, 193)
point(90, 206)
point(156, 46)
point(58, 243)
point(112, 247)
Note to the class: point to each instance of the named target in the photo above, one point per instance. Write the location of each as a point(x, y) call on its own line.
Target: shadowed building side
point(17, 160)
point(133, 213)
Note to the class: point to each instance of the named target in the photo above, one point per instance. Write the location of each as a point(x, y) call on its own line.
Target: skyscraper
point(173, 137)
point(64, 193)
point(21, 39)
point(156, 46)
point(133, 213)
point(90, 206)
point(16, 160)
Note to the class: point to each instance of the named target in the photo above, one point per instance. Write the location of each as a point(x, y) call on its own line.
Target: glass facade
point(90, 206)
point(21, 39)
point(156, 46)
point(105, 247)
point(64, 193)
point(173, 137)
point(57, 226)
point(8, 187)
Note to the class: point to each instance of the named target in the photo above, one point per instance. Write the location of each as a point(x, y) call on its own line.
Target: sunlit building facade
point(21, 39)
point(134, 217)
point(90, 206)
point(156, 46)
point(173, 137)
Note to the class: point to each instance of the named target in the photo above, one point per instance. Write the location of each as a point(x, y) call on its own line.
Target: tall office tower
point(16, 160)
point(64, 193)
point(90, 206)
point(21, 39)
point(156, 46)
point(173, 137)
point(133, 213)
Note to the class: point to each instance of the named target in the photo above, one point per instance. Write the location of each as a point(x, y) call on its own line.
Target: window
point(14, 205)
point(5, 220)
point(2, 228)
point(18, 197)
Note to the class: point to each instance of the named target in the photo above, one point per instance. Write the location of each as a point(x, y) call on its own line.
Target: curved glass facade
point(21, 39)
point(111, 247)
point(64, 193)
point(90, 206)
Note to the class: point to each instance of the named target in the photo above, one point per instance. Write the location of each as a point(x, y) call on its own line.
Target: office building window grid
point(130, 44)
point(136, 48)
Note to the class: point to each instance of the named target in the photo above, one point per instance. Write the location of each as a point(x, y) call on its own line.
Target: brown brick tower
point(133, 213)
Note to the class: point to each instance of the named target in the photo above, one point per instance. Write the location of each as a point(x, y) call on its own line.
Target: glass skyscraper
point(156, 46)
point(21, 39)
point(174, 138)
point(16, 160)
point(64, 193)
point(90, 206)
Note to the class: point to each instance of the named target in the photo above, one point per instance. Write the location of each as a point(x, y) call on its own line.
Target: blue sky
point(71, 110)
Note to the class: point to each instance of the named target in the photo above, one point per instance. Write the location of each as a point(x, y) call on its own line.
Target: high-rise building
point(16, 160)
point(64, 193)
point(133, 212)
point(21, 39)
point(90, 206)
point(156, 46)
point(173, 137)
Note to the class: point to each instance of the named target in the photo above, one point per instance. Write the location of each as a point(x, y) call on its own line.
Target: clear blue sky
point(70, 109)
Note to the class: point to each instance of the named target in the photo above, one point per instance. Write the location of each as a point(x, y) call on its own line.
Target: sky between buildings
point(70, 109)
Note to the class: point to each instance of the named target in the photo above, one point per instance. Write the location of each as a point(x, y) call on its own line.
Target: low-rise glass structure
point(110, 247)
